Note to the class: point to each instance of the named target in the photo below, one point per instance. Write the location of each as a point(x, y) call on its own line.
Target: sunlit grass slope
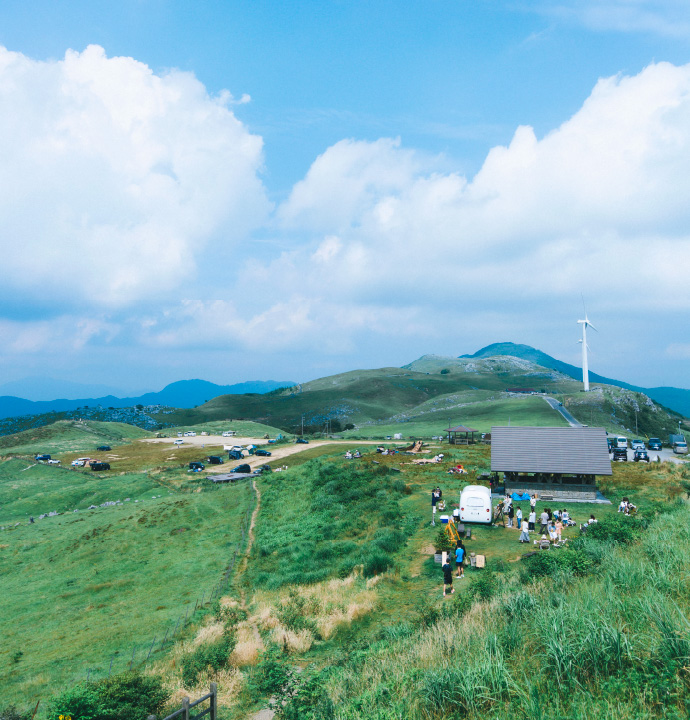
point(69, 436)
point(80, 588)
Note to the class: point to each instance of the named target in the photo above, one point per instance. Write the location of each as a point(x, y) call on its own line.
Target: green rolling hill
point(421, 398)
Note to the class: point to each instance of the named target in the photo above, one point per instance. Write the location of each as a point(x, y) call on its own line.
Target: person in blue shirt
point(459, 559)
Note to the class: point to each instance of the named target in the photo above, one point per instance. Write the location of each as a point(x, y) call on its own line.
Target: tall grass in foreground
point(612, 644)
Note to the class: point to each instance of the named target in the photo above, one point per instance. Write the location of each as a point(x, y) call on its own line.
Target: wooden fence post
point(185, 708)
point(151, 648)
point(214, 707)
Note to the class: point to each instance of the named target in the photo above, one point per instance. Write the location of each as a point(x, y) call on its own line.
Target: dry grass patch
point(249, 646)
point(308, 611)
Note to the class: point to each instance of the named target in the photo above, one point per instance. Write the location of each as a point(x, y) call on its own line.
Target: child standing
point(519, 517)
point(559, 529)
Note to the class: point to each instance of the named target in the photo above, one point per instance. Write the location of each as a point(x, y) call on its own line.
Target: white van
point(622, 442)
point(475, 504)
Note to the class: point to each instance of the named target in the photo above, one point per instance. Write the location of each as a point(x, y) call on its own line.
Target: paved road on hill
point(559, 408)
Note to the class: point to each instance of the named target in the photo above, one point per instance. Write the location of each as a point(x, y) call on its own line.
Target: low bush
point(568, 560)
point(485, 586)
point(619, 528)
point(11, 713)
point(270, 676)
point(128, 695)
point(212, 657)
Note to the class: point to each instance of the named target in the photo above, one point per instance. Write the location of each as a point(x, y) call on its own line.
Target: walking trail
point(265, 713)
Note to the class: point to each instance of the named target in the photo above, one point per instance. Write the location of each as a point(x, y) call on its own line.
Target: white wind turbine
point(585, 348)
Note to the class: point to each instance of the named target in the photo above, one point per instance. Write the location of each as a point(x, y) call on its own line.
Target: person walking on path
point(519, 518)
point(532, 519)
point(447, 579)
point(544, 518)
point(459, 559)
point(511, 515)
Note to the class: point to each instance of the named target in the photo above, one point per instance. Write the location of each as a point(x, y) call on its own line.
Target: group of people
point(349, 454)
point(627, 507)
point(551, 523)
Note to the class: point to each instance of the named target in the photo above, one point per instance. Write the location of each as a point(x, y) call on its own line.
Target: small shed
point(461, 435)
point(553, 463)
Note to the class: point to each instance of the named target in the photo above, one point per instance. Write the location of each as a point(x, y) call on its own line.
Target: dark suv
point(215, 460)
point(103, 448)
point(99, 465)
point(641, 455)
point(654, 444)
point(620, 454)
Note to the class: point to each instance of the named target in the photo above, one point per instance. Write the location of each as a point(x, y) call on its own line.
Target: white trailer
point(475, 504)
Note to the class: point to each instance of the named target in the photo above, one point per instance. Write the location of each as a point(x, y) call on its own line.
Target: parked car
point(263, 453)
point(654, 444)
point(641, 455)
point(637, 445)
point(103, 448)
point(96, 465)
point(611, 443)
point(244, 468)
point(196, 466)
point(235, 454)
point(301, 440)
point(621, 442)
point(53, 462)
point(680, 448)
point(620, 454)
point(42, 457)
point(215, 460)
point(264, 469)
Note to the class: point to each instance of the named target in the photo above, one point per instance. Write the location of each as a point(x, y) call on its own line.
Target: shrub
point(485, 586)
point(294, 613)
point(568, 560)
point(443, 543)
point(618, 528)
point(11, 713)
point(128, 695)
point(270, 676)
point(213, 656)
point(376, 562)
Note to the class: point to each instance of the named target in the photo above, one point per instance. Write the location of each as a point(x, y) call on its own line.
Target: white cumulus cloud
point(114, 179)
point(544, 217)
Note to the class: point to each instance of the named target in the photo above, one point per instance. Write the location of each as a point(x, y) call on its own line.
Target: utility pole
point(302, 424)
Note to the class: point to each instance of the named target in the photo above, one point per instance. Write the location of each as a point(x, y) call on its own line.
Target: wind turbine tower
point(585, 365)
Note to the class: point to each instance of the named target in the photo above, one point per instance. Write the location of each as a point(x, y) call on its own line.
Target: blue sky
point(383, 180)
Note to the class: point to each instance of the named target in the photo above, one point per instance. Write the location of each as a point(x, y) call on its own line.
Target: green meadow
point(339, 609)
point(87, 588)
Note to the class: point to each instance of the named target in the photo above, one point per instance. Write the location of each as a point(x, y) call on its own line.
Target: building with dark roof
point(554, 463)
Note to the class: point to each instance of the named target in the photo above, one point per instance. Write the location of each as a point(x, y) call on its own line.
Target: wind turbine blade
point(592, 326)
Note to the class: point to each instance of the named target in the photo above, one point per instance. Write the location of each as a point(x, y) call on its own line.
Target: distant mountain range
point(677, 399)
point(181, 394)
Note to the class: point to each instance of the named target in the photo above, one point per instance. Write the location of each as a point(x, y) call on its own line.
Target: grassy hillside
point(69, 436)
point(95, 586)
point(366, 396)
